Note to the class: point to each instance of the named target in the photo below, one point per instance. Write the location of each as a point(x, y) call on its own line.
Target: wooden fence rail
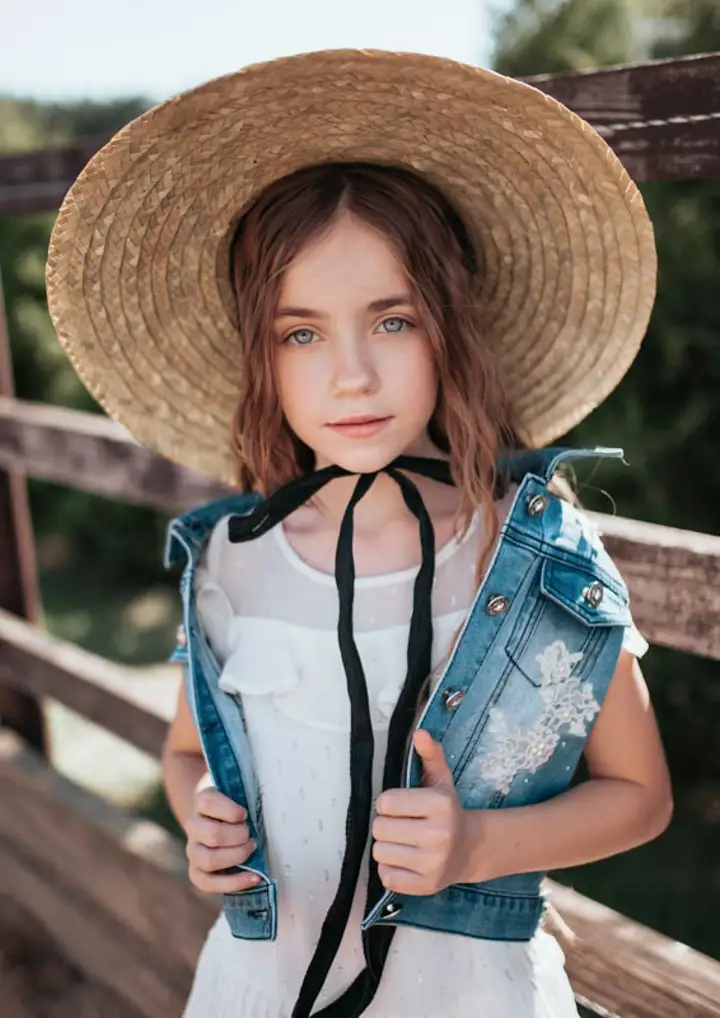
point(661, 117)
point(113, 908)
point(111, 889)
point(125, 880)
point(126, 915)
point(673, 575)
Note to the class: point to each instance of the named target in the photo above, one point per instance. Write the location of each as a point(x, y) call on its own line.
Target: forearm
point(182, 774)
point(600, 818)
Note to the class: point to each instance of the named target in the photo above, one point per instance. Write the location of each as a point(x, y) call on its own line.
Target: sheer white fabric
point(271, 619)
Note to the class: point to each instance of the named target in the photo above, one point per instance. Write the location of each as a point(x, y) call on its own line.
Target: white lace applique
point(569, 701)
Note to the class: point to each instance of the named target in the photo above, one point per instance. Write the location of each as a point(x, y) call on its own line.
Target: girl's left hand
point(421, 834)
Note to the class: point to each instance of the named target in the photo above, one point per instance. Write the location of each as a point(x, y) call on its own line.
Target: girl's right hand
point(218, 838)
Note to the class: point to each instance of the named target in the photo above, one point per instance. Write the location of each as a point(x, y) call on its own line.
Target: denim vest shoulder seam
point(196, 524)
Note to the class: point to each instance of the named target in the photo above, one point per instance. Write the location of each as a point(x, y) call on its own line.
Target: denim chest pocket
point(575, 601)
point(545, 694)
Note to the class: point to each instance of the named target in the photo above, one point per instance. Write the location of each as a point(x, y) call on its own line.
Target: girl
point(432, 271)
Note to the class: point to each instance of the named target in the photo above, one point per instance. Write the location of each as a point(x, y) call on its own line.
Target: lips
point(358, 419)
point(360, 426)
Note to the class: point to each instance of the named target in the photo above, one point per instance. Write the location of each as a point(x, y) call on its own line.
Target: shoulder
point(188, 533)
point(222, 560)
point(215, 547)
point(248, 572)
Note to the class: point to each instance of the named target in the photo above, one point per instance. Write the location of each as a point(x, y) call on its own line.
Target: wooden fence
point(662, 118)
point(113, 889)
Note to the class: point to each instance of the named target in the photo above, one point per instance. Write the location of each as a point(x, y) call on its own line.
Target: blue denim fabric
point(552, 599)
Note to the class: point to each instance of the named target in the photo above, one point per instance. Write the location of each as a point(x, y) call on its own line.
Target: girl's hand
point(218, 837)
point(421, 834)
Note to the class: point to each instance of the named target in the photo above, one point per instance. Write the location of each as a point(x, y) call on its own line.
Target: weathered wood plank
point(138, 871)
point(91, 452)
point(674, 581)
point(31, 961)
point(629, 969)
point(661, 117)
point(37, 181)
point(33, 661)
point(88, 938)
point(672, 574)
point(113, 889)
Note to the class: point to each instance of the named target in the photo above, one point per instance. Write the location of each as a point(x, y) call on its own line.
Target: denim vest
point(512, 708)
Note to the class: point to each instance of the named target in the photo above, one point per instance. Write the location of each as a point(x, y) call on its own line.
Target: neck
point(383, 504)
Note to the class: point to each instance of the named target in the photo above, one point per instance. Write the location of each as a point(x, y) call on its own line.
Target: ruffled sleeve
point(216, 614)
point(255, 659)
point(213, 605)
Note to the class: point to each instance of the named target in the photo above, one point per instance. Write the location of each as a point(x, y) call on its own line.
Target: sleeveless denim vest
point(512, 708)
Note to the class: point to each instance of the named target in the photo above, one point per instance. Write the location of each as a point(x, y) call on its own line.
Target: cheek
point(297, 384)
point(414, 379)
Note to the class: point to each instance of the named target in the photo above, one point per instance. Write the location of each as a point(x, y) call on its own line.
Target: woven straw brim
point(138, 278)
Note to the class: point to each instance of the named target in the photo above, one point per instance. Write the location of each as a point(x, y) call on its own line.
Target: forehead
point(350, 257)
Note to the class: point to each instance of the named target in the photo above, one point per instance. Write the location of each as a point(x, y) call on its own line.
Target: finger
point(211, 803)
point(398, 830)
point(228, 883)
point(400, 856)
point(394, 878)
point(215, 833)
point(212, 860)
point(406, 802)
point(436, 771)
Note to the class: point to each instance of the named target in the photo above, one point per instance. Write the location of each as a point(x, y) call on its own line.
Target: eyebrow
point(377, 305)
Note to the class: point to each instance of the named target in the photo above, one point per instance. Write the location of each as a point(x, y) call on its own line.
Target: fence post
point(19, 591)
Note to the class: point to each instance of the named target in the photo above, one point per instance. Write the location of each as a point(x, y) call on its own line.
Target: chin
point(363, 458)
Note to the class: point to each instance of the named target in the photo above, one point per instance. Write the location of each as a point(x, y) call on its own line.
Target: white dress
point(272, 620)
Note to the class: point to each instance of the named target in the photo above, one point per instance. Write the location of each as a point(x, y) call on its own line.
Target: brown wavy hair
point(472, 421)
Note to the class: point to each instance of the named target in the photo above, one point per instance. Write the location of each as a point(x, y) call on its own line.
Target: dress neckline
point(298, 563)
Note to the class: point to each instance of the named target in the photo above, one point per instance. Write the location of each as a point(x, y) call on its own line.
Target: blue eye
point(395, 324)
point(301, 337)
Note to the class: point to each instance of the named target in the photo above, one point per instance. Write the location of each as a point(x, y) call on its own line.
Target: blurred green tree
point(65, 516)
point(551, 37)
point(665, 414)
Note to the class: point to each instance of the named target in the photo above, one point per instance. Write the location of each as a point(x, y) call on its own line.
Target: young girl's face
point(357, 380)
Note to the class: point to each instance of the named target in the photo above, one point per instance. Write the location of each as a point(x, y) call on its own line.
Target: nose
point(354, 371)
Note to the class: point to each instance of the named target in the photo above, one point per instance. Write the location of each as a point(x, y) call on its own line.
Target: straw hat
point(138, 281)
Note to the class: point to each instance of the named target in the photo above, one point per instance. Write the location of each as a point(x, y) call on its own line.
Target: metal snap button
point(594, 593)
point(537, 505)
point(181, 636)
point(453, 698)
point(498, 604)
point(391, 910)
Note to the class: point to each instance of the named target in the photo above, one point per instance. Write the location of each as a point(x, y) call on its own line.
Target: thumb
point(436, 772)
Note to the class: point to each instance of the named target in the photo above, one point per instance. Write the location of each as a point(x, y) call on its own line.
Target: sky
point(98, 49)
